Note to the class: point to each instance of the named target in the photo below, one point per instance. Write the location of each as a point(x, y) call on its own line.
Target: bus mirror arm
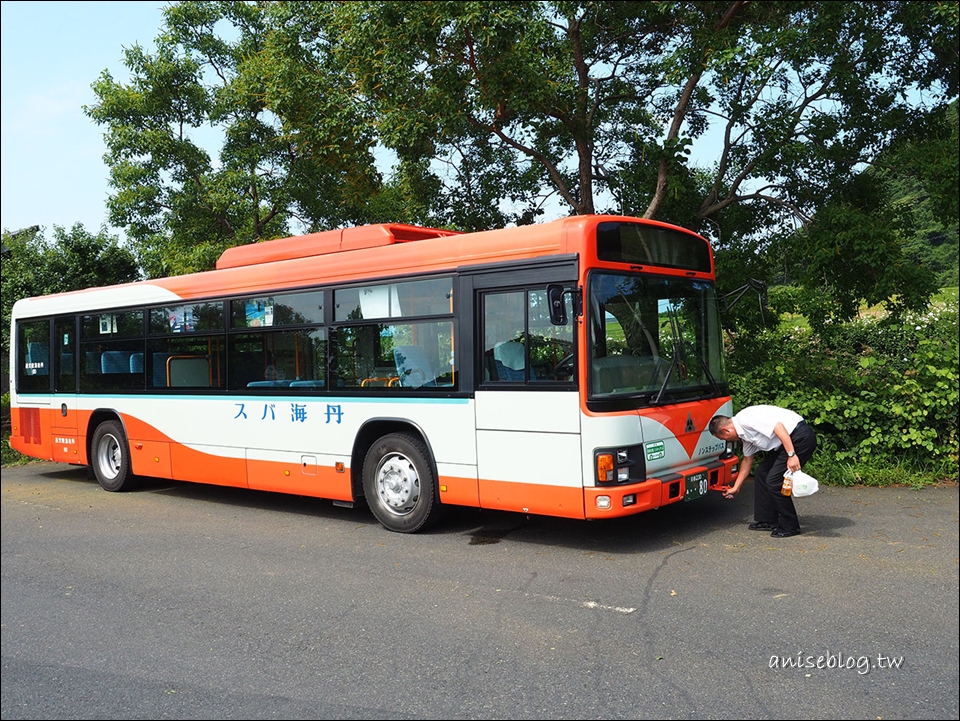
point(558, 309)
point(728, 300)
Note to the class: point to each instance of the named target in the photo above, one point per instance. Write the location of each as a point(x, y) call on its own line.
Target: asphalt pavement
point(190, 601)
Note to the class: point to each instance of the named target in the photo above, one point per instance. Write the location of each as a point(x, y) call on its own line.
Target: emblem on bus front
point(655, 451)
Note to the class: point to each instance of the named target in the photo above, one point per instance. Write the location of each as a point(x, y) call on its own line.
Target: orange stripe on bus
point(151, 458)
point(561, 501)
point(456, 491)
point(317, 482)
point(193, 465)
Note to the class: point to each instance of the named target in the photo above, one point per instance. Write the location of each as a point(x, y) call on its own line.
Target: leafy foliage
point(881, 394)
point(854, 253)
point(921, 171)
point(495, 111)
point(291, 148)
point(881, 237)
point(74, 259)
point(603, 101)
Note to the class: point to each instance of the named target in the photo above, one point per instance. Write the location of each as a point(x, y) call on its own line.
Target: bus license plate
point(696, 486)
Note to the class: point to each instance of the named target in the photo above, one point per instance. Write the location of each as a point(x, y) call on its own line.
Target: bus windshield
point(653, 338)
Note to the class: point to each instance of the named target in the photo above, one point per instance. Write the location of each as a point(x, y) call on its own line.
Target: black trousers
point(769, 505)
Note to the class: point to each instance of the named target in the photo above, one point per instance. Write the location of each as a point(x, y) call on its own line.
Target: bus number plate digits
point(696, 486)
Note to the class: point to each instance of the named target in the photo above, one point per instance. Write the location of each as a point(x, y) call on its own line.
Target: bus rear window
point(652, 245)
point(33, 356)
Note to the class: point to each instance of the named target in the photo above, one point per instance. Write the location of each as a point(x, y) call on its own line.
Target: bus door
point(65, 425)
point(527, 408)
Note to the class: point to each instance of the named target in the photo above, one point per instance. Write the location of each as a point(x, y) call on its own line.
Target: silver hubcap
point(398, 484)
point(108, 457)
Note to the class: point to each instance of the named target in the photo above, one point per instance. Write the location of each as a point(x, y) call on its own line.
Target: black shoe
point(780, 533)
point(761, 526)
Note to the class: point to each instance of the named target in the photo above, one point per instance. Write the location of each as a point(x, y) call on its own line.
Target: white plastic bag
point(803, 484)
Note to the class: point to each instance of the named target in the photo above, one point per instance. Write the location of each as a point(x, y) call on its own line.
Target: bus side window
point(509, 361)
point(186, 361)
point(115, 361)
point(33, 356)
point(520, 342)
point(551, 345)
point(504, 333)
point(190, 371)
point(38, 359)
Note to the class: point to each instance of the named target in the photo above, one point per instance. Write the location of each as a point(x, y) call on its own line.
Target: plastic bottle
point(787, 488)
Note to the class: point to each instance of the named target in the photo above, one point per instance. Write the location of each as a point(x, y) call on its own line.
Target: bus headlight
point(618, 465)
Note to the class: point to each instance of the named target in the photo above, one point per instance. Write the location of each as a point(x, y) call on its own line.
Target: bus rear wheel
point(399, 483)
point(110, 457)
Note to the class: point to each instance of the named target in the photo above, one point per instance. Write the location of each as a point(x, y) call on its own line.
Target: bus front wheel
point(110, 457)
point(399, 483)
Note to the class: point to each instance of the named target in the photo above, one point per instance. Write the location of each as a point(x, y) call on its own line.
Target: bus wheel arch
point(108, 453)
point(399, 477)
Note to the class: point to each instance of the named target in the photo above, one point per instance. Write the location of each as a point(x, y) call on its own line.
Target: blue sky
point(52, 155)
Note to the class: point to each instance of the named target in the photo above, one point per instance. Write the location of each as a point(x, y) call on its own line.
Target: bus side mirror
point(558, 310)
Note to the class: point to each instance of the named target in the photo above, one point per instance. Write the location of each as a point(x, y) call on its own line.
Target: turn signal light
point(605, 467)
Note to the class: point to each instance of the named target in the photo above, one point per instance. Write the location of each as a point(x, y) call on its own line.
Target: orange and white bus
point(566, 369)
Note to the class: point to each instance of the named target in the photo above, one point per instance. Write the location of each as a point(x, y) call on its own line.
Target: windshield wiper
point(714, 386)
point(679, 345)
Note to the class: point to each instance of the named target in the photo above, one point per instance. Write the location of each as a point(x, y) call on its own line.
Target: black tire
point(110, 457)
point(399, 484)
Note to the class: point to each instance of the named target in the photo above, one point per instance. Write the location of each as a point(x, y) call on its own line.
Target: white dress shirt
point(755, 427)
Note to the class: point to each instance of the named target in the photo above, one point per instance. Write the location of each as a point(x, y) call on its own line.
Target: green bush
point(882, 395)
point(8, 456)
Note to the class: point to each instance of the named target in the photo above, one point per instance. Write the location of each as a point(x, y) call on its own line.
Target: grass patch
point(879, 476)
point(946, 296)
point(10, 457)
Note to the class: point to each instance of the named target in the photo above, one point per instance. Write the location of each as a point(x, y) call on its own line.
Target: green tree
point(600, 104)
point(888, 236)
point(854, 253)
point(493, 112)
point(605, 99)
point(921, 171)
point(290, 148)
point(74, 259)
